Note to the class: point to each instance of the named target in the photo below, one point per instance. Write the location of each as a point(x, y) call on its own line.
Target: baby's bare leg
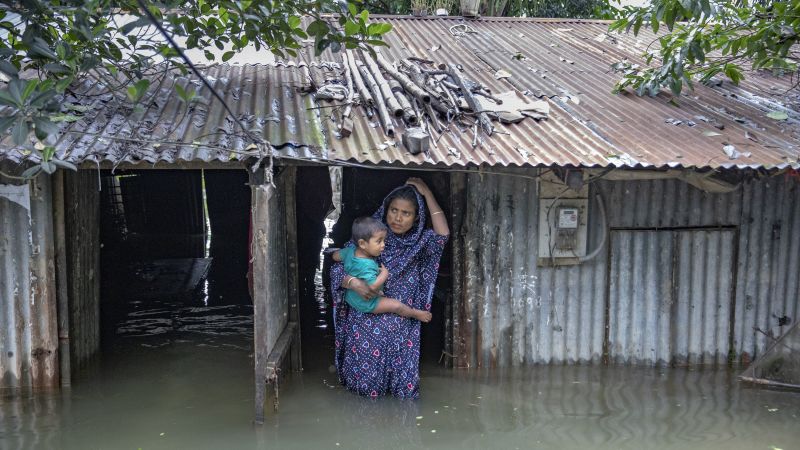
point(390, 305)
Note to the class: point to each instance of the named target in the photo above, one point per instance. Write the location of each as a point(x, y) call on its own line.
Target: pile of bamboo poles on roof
point(414, 91)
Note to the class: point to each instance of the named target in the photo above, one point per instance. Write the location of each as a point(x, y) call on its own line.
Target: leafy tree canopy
point(700, 39)
point(47, 45)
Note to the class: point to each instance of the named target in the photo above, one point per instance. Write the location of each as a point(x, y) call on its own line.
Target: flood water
point(178, 374)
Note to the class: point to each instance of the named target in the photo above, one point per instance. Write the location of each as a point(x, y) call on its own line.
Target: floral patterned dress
point(378, 354)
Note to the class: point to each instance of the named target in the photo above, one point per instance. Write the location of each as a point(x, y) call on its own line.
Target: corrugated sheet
point(670, 296)
point(29, 334)
point(566, 61)
point(678, 263)
point(264, 98)
point(769, 265)
point(82, 219)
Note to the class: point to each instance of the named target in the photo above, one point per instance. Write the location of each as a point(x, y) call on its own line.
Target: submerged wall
point(28, 328)
point(685, 276)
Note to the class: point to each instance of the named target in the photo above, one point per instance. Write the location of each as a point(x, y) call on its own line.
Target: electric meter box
point(562, 230)
point(567, 218)
point(563, 219)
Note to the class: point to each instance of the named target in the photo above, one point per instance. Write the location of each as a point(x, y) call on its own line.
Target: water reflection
point(198, 392)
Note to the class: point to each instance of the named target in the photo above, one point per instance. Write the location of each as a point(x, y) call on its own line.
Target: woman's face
point(400, 216)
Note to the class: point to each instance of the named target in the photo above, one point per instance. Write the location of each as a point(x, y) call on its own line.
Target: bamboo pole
point(409, 115)
point(346, 124)
point(383, 113)
point(363, 91)
point(386, 91)
point(409, 85)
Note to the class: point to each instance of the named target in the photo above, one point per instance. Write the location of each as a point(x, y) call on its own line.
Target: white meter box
point(562, 229)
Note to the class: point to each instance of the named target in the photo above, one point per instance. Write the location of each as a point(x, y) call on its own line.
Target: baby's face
point(374, 247)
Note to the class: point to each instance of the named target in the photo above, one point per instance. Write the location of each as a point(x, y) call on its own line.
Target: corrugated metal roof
point(565, 60)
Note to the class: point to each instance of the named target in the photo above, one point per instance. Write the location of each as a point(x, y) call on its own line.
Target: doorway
point(174, 256)
point(362, 191)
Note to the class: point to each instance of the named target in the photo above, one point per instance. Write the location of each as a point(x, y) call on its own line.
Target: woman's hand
point(361, 288)
point(422, 188)
point(438, 220)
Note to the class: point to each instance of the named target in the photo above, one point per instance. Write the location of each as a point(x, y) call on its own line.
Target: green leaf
point(64, 118)
point(9, 69)
point(30, 86)
point(20, 132)
point(294, 22)
point(227, 55)
point(364, 16)
point(778, 115)
point(318, 28)
point(49, 167)
point(32, 171)
point(15, 88)
point(44, 125)
point(377, 29)
point(351, 28)
point(64, 164)
point(5, 123)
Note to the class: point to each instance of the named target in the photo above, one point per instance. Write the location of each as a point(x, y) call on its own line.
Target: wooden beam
point(62, 290)
point(292, 278)
point(454, 344)
point(261, 195)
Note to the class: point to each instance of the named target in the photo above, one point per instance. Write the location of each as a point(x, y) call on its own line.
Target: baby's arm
point(337, 256)
point(381, 279)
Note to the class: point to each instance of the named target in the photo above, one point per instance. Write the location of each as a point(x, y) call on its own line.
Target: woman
point(379, 354)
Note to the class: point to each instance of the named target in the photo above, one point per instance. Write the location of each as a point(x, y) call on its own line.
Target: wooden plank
point(276, 358)
point(292, 278)
point(62, 290)
point(261, 195)
point(454, 341)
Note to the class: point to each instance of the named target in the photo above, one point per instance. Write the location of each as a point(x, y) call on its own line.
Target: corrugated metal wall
point(82, 221)
point(769, 264)
point(28, 327)
point(513, 312)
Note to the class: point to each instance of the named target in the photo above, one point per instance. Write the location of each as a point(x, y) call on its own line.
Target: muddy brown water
point(181, 378)
point(178, 374)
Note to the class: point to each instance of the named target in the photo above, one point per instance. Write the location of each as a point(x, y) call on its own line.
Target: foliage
point(45, 46)
point(700, 39)
point(575, 9)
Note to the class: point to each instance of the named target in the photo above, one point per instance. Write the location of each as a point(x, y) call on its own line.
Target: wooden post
point(62, 291)
point(261, 195)
point(289, 177)
point(454, 344)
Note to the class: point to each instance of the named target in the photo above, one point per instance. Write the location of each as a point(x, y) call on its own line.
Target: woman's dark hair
point(404, 193)
point(365, 227)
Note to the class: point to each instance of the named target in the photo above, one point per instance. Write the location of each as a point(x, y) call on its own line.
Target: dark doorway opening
point(363, 190)
point(174, 255)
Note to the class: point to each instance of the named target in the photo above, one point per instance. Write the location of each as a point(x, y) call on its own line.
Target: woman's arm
point(438, 219)
point(360, 287)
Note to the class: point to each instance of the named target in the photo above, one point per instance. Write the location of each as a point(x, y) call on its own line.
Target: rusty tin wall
point(683, 278)
point(83, 264)
point(28, 332)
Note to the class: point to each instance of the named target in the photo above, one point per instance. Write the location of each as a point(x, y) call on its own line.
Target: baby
point(359, 262)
